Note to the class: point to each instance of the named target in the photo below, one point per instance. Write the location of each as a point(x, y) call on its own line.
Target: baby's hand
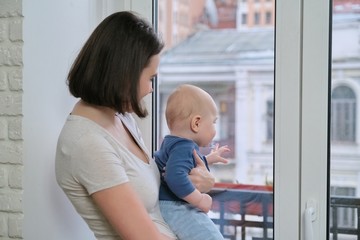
point(205, 203)
point(215, 155)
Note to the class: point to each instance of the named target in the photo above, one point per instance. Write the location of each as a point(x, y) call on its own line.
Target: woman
point(102, 163)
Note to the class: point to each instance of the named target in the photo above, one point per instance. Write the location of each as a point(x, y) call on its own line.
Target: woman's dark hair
point(107, 70)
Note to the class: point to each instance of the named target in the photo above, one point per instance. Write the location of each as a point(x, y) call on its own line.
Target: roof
point(231, 47)
point(224, 46)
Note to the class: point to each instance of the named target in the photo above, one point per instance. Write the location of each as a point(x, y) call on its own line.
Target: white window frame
point(301, 123)
point(301, 116)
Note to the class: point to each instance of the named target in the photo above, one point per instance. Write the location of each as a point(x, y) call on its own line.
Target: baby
point(191, 115)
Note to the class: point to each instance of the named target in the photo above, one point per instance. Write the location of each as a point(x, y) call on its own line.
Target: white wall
point(53, 33)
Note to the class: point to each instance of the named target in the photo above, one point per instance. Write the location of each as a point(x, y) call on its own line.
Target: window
point(344, 162)
point(257, 18)
point(235, 66)
point(243, 18)
point(343, 115)
point(268, 18)
point(269, 120)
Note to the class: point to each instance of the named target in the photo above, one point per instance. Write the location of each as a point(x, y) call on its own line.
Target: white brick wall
point(11, 140)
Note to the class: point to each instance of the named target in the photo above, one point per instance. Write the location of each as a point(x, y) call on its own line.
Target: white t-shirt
point(89, 159)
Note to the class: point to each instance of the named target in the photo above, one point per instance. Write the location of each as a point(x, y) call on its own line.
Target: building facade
point(237, 68)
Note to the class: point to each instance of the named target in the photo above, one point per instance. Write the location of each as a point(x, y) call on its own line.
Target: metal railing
point(236, 211)
point(353, 228)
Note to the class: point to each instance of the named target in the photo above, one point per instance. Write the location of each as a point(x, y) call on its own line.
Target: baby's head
point(191, 113)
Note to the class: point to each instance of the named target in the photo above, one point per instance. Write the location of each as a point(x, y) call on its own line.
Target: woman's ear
point(195, 123)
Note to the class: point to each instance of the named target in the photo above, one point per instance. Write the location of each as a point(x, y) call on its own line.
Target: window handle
point(309, 218)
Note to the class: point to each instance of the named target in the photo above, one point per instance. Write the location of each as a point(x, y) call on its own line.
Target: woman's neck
point(101, 115)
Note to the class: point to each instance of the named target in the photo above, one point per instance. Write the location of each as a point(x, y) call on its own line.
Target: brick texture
point(11, 138)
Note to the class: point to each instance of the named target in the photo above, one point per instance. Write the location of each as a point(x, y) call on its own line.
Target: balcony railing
point(238, 209)
point(246, 212)
point(352, 228)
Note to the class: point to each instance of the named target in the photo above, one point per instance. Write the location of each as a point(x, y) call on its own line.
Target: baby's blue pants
point(188, 222)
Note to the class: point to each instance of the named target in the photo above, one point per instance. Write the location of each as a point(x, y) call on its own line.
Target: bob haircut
point(108, 68)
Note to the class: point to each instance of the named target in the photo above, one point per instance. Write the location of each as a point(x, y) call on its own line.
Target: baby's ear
point(195, 123)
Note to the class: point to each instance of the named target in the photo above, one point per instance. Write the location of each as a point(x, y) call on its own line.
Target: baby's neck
point(183, 134)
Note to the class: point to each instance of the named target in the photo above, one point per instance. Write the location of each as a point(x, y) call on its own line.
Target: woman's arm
point(124, 211)
point(202, 179)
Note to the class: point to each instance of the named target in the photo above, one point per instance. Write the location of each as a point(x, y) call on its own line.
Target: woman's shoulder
point(79, 125)
point(79, 130)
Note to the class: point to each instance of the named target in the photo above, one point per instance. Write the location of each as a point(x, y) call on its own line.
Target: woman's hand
point(215, 155)
point(202, 179)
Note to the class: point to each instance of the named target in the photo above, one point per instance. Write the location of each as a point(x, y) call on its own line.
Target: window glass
point(221, 52)
point(344, 120)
